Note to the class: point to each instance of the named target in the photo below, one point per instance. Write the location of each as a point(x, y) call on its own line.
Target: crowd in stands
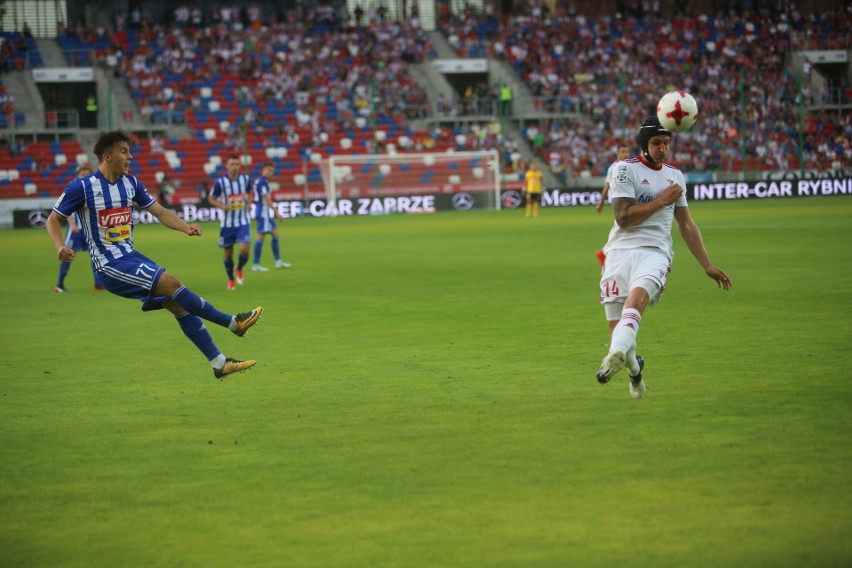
point(310, 77)
point(614, 69)
point(316, 64)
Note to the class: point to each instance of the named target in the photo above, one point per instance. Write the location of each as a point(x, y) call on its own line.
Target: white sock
point(218, 361)
point(233, 325)
point(624, 334)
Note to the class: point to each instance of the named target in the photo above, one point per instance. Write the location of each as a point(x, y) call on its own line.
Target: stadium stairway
point(441, 46)
point(51, 54)
point(28, 101)
point(431, 80)
point(435, 84)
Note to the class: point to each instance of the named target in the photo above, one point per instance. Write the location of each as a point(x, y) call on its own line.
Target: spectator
point(166, 191)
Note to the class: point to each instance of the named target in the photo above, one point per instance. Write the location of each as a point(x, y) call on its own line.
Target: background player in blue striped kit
point(230, 193)
point(265, 214)
point(104, 204)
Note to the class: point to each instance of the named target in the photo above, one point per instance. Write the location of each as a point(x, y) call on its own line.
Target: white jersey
point(636, 179)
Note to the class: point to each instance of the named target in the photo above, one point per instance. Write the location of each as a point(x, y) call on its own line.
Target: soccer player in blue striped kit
point(104, 203)
point(265, 214)
point(230, 193)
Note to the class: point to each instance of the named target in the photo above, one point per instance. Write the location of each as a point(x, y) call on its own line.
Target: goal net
point(472, 176)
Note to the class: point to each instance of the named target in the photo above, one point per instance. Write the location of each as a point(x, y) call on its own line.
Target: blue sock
point(229, 268)
point(276, 252)
point(63, 271)
point(258, 248)
point(195, 330)
point(198, 306)
point(243, 259)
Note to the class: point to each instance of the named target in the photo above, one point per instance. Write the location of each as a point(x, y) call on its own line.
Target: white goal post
point(475, 173)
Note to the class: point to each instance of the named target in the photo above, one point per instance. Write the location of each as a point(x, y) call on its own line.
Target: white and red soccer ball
point(677, 111)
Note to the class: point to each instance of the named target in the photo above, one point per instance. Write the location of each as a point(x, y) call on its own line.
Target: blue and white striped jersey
point(261, 188)
point(105, 213)
point(236, 194)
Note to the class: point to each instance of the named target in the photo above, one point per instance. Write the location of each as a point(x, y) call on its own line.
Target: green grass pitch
point(425, 396)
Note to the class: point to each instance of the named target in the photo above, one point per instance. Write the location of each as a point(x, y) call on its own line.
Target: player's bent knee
point(643, 292)
point(168, 285)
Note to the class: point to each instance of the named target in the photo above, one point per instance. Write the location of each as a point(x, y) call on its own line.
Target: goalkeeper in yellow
point(532, 187)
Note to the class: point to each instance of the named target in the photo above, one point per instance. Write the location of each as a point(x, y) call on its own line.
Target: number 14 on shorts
point(609, 288)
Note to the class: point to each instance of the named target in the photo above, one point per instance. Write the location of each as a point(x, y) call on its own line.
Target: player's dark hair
point(234, 157)
point(107, 140)
point(269, 164)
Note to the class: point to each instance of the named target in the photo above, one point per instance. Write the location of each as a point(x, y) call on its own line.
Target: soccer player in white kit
point(646, 195)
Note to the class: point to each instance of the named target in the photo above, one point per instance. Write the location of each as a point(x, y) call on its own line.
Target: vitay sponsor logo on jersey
point(115, 216)
point(116, 221)
point(236, 201)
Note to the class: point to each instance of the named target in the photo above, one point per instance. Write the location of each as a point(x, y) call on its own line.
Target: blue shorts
point(230, 235)
point(134, 276)
point(265, 226)
point(76, 241)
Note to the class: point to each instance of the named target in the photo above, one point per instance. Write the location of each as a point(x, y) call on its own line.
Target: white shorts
point(636, 268)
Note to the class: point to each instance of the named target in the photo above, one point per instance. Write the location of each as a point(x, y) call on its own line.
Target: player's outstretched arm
point(695, 243)
point(168, 218)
